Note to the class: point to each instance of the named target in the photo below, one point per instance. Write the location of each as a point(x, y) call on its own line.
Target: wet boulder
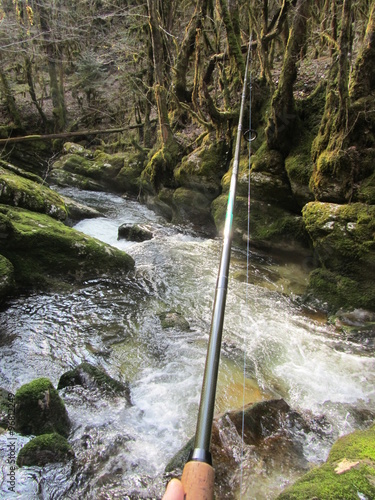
point(348, 472)
point(91, 377)
point(40, 410)
point(134, 232)
point(45, 449)
point(271, 445)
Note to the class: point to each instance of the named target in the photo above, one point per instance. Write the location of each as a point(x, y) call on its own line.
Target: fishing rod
point(198, 474)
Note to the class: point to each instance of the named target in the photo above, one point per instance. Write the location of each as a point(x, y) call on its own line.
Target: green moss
point(44, 449)
point(19, 191)
point(159, 169)
point(366, 191)
point(359, 445)
point(348, 473)
point(40, 410)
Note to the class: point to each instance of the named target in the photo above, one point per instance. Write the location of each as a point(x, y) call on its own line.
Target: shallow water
point(122, 450)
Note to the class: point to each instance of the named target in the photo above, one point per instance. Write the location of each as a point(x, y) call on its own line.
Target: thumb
point(174, 491)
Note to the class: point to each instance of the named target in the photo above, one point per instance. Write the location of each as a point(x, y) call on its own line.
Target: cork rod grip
point(198, 481)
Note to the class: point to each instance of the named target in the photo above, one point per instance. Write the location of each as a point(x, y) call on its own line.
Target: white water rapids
point(114, 324)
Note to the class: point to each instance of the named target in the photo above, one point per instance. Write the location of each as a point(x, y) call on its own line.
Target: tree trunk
point(186, 51)
point(57, 92)
point(233, 39)
point(279, 131)
point(363, 79)
point(30, 82)
point(9, 99)
point(159, 88)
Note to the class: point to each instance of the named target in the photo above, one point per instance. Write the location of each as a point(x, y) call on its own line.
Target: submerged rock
point(40, 410)
point(134, 232)
point(347, 474)
point(45, 449)
point(91, 377)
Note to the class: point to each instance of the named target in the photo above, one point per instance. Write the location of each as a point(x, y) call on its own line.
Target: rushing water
point(122, 450)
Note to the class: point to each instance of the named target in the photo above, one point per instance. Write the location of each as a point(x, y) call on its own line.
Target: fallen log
point(66, 135)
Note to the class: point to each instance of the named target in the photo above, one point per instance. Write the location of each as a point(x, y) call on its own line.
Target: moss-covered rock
point(91, 377)
point(40, 410)
point(45, 449)
point(349, 472)
point(191, 206)
point(22, 192)
point(128, 177)
point(40, 247)
point(98, 170)
point(203, 169)
point(7, 282)
point(158, 172)
point(344, 242)
point(6, 409)
point(272, 227)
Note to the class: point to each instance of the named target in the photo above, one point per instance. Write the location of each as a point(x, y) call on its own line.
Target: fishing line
point(250, 135)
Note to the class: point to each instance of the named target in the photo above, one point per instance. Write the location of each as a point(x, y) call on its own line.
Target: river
point(121, 449)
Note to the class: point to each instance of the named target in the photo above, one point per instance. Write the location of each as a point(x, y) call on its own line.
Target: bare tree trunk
point(159, 88)
point(57, 93)
point(187, 50)
point(279, 131)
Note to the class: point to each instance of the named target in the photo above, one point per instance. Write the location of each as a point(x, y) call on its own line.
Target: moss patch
point(44, 449)
point(349, 472)
point(7, 283)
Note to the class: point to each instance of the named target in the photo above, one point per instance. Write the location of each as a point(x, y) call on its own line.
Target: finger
point(174, 491)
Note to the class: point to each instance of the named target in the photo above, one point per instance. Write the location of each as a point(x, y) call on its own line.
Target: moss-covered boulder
point(91, 377)
point(203, 169)
point(40, 247)
point(40, 410)
point(96, 169)
point(192, 206)
point(344, 241)
point(349, 472)
point(272, 228)
point(19, 191)
point(45, 449)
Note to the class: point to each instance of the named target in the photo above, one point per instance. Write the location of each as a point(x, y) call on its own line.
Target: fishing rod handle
point(198, 481)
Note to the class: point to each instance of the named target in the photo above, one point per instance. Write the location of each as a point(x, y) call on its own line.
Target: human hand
point(174, 491)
